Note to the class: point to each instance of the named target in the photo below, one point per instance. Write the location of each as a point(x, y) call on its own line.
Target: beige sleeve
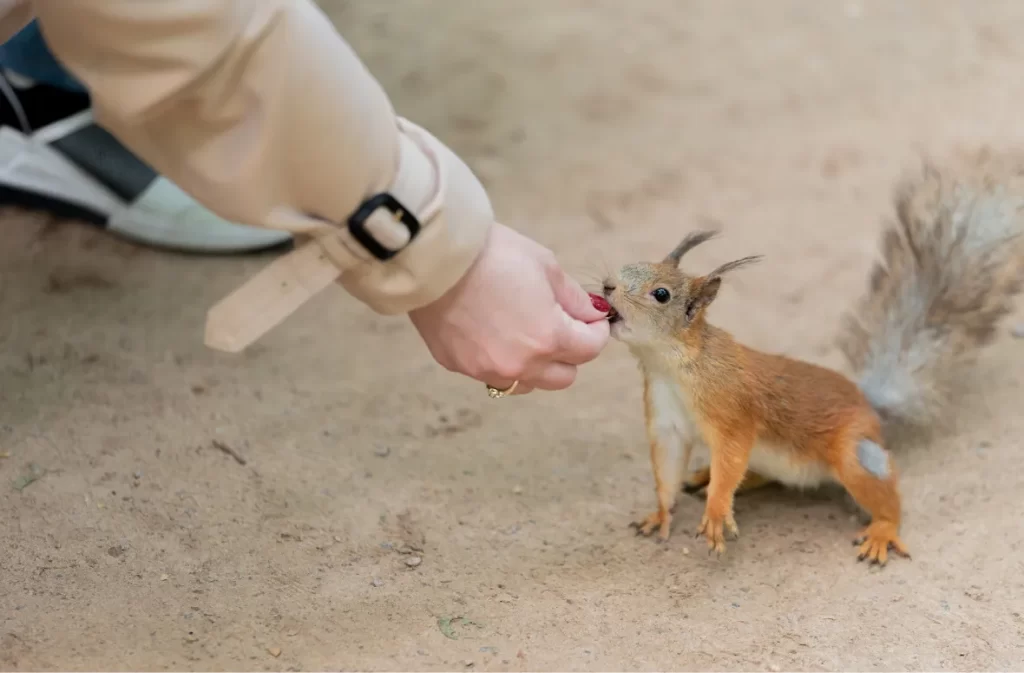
point(14, 15)
point(262, 112)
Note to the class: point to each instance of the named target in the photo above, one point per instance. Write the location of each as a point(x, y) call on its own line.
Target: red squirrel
point(951, 264)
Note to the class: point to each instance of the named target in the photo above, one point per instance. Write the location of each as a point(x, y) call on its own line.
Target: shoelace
point(12, 98)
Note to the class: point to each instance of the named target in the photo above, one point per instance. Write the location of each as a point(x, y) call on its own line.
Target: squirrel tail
point(951, 264)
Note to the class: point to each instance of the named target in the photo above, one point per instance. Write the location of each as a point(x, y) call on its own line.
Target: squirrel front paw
point(661, 519)
point(876, 540)
point(715, 528)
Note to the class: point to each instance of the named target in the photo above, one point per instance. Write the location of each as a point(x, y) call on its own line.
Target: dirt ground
point(605, 129)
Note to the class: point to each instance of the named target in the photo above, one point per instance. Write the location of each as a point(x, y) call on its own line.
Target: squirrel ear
point(704, 294)
point(707, 287)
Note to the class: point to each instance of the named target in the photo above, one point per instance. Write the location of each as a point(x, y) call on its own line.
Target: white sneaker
point(73, 168)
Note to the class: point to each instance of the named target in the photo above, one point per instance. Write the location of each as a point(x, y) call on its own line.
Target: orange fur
point(952, 263)
point(739, 396)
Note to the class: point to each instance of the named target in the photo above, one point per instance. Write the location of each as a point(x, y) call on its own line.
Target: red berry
point(599, 303)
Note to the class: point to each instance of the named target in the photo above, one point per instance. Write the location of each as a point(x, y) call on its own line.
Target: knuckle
point(447, 362)
point(546, 344)
point(476, 370)
point(570, 378)
point(563, 380)
point(507, 370)
point(548, 261)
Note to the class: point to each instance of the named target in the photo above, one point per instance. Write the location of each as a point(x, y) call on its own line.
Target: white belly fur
point(672, 421)
point(674, 427)
point(775, 462)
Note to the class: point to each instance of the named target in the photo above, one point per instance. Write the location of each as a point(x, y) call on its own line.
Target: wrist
point(455, 219)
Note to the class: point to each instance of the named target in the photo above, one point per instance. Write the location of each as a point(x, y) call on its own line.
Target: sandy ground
point(605, 129)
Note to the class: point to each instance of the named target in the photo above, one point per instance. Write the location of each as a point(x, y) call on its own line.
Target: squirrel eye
point(661, 295)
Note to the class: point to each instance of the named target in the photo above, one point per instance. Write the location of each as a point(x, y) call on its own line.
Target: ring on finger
point(498, 393)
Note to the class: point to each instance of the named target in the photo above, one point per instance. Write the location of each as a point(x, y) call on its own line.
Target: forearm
point(263, 113)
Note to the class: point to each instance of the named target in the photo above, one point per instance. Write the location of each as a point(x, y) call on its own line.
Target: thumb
point(579, 342)
point(573, 299)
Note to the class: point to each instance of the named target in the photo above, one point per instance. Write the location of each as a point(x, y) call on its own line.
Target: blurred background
point(379, 513)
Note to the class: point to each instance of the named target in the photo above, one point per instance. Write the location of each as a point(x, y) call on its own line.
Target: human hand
point(514, 316)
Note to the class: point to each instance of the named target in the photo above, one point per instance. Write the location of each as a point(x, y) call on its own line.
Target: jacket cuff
point(455, 215)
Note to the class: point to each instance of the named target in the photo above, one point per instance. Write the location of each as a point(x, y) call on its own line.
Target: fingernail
point(599, 303)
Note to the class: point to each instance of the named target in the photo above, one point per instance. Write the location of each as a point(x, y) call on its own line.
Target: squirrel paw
point(876, 540)
point(716, 530)
point(660, 519)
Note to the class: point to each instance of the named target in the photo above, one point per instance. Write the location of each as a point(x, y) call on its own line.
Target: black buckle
point(357, 224)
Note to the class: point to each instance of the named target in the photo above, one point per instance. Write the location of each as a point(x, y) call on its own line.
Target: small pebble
point(517, 489)
point(686, 551)
point(274, 651)
point(1018, 331)
point(382, 451)
point(137, 475)
point(377, 582)
point(164, 578)
point(468, 663)
point(774, 668)
point(413, 561)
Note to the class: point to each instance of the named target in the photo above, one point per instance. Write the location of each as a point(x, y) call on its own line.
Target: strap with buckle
point(277, 291)
point(290, 281)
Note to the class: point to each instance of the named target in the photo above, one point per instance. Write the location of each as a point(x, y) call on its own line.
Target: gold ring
point(497, 393)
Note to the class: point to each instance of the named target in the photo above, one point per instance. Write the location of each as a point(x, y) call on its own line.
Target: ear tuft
point(692, 240)
point(708, 286)
point(736, 264)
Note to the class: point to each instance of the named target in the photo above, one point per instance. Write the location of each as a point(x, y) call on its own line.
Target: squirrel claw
point(876, 540)
point(714, 531)
point(659, 520)
point(639, 528)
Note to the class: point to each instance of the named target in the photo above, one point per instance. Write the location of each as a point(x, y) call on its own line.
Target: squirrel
point(951, 265)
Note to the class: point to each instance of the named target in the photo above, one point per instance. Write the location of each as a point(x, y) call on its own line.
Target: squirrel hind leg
point(697, 482)
point(865, 470)
point(753, 481)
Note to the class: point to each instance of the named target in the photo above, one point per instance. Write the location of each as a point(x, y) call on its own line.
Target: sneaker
point(54, 157)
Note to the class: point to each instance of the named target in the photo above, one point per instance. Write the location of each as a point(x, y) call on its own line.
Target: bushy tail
point(951, 265)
